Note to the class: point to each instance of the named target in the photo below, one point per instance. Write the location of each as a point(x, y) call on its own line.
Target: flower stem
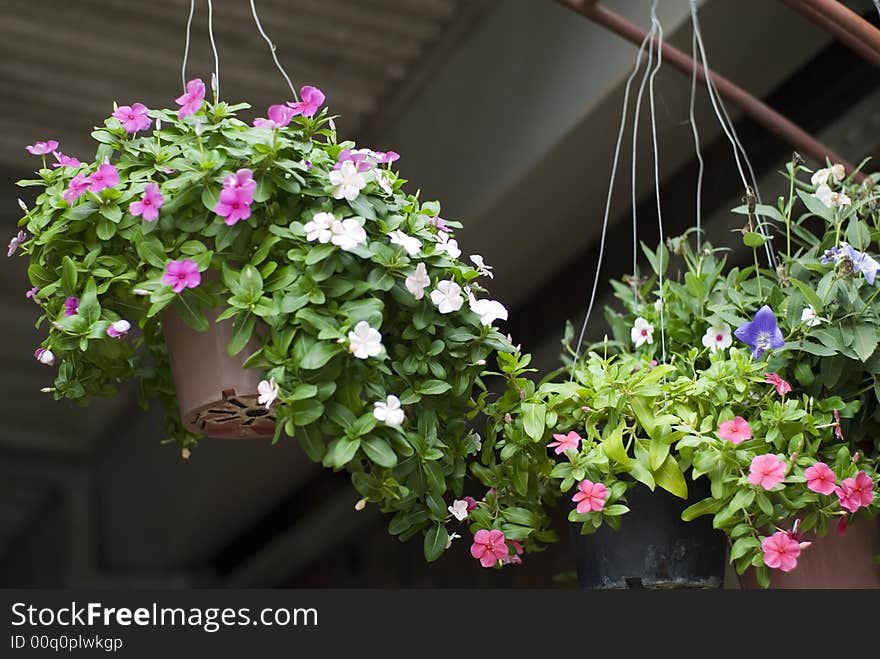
point(791, 171)
point(757, 273)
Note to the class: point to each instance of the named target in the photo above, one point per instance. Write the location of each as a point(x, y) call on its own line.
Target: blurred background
point(505, 110)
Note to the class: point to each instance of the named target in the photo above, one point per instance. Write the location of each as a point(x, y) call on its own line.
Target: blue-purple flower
point(861, 262)
point(832, 255)
point(762, 333)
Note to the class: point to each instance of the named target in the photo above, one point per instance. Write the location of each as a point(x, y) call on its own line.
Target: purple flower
point(105, 177)
point(149, 204)
point(861, 262)
point(832, 255)
point(76, 188)
point(279, 117)
point(42, 148)
point(44, 356)
point(133, 117)
point(191, 101)
point(762, 333)
point(312, 98)
point(17, 240)
point(65, 161)
point(71, 306)
point(360, 157)
point(119, 329)
point(181, 274)
point(32, 294)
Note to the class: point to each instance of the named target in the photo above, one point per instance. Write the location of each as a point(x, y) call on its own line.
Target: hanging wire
point(635, 141)
point(216, 78)
point(656, 23)
point(273, 48)
point(728, 128)
point(192, 9)
point(877, 5)
point(701, 165)
point(615, 161)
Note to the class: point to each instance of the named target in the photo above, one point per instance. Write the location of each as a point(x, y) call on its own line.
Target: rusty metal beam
point(857, 34)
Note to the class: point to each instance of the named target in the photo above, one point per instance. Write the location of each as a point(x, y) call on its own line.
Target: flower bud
point(360, 505)
point(508, 418)
point(22, 206)
point(143, 292)
point(185, 454)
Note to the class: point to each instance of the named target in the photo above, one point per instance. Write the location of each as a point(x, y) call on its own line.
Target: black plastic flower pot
point(654, 548)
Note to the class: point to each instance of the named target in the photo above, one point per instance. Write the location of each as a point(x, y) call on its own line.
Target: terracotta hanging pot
point(835, 561)
point(216, 394)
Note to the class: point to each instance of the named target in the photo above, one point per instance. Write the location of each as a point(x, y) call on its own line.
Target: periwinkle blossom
point(44, 356)
point(42, 148)
point(448, 245)
point(106, 176)
point(118, 329)
point(15, 243)
point(417, 282)
point(279, 116)
point(181, 274)
point(459, 509)
point(861, 262)
point(133, 117)
point(386, 157)
point(233, 205)
point(737, 430)
point(320, 227)
point(642, 332)
point(447, 296)
point(439, 223)
point(717, 337)
point(65, 161)
point(590, 496)
point(148, 206)
point(855, 493)
point(191, 100)
point(361, 158)
point(32, 293)
point(572, 440)
point(347, 182)
point(482, 267)
point(820, 478)
point(410, 244)
point(312, 99)
point(389, 411)
point(762, 333)
point(488, 310)
point(71, 306)
point(242, 180)
point(383, 179)
point(810, 318)
point(782, 386)
point(77, 187)
point(514, 558)
point(838, 431)
point(348, 234)
point(451, 538)
point(781, 551)
point(268, 392)
point(489, 547)
point(364, 341)
point(767, 470)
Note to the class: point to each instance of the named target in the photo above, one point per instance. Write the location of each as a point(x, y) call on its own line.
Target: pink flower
point(44, 356)
point(279, 117)
point(782, 387)
point(360, 157)
point(489, 547)
point(781, 551)
point(32, 293)
point(42, 148)
point(65, 161)
point(118, 329)
point(133, 117)
point(312, 98)
point(565, 442)
point(71, 306)
point(590, 496)
point(234, 205)
point(855, 493)
point(181, 274)
point(440, 224)
point(837, 430)
point(513, 559)
point(386, 157)
point(766, 470)
point(105, 177)
point(76, 188)
point(149, 205)
point(242, 180)
point(820, 478)
point(15, 242)
point(471, 503)
point(736, 430)
point(191, 101)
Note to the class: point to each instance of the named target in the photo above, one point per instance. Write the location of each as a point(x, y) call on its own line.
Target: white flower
point(452, 537)
point(459, 509)
point(320, 228)
point(364, 341)
point(389, 411)
point(383, 178)
point(348, 234)
point(118, 329)
point(44, 356)
point(658, 305)
point(840, 199)
point(347, 181)
point(808, 316)
point(482, 267)
point(360, 504)
point(448, 245)
point(488, 310)
point(268, 391)
point(830, 198)
point(409, 243)
point(836, 173)
point(447, 296)
point(717, 337)
point(141, 291)
point(417, 282)
point(642, 332)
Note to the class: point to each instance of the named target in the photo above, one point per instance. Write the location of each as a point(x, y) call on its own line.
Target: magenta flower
point(32, 293)
point(855, 493)
point(65, 161)
point(16, 242)
point(191, 101)
point(133, 117)
point(781, 551)
point(782, 387)
point(233, 205)
point(386, 157)
point(279, 117)
point(44, 356)
point(471, 503)
point(243, 180)
point(590, 496)
point(105, 177)
point(360, 157)
point(181, 274)
point(312, 98)
point(565, 442)
point(149, 205)
point(513, 559)
point(71, 306)
point(440, 224)
point(766, 470)
point(837, 430)
point(76, 188)
point(762, 333)
point(489, 547)
point(820, 478)
point(118, 329)
point(737, 430)
point(42, 148)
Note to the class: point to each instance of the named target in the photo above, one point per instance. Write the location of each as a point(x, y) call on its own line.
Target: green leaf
point(305, 412)
point(670, 478)
point(815, 206)
point(68, 276)
point(251, 283)
point(742, 546)
point(705, 507)
point(754, 239)
point(433, 387)
point(341, 451)
point(191, 314)
point(435, 542)
point(242, 330)
point(319, 354)
point(379, 451)
point(612, 446)
point(533, 415)
point(311, 441)
point(864, 340)
point(742, 499)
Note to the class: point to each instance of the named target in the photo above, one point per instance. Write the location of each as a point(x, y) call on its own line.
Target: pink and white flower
point(77, 187)
point(44, 356)
point(459, 509)
point(347, 182)
point(810, 318)
point(320, 227)
point(118, 329)
point(279, 117)
point(782, 387)
point(15, 242)
point(149, 204)
point(820, 478)
point(234, 205)
point(71, 306)
point(482, 267)
point(42, 148)
point(417, 282)
point(717, 337)
point(781, 551)
point(736, 430)
point(65, 161)
point(182, 274)
point(389, 411)
point(855, 493)
point(365, 341)
point(410, 244)
point(268, 392)
point(104, 177)
point(488, 310)
point(348, 234)
point(564, 442)
point(448, 245)
point(642, 332)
